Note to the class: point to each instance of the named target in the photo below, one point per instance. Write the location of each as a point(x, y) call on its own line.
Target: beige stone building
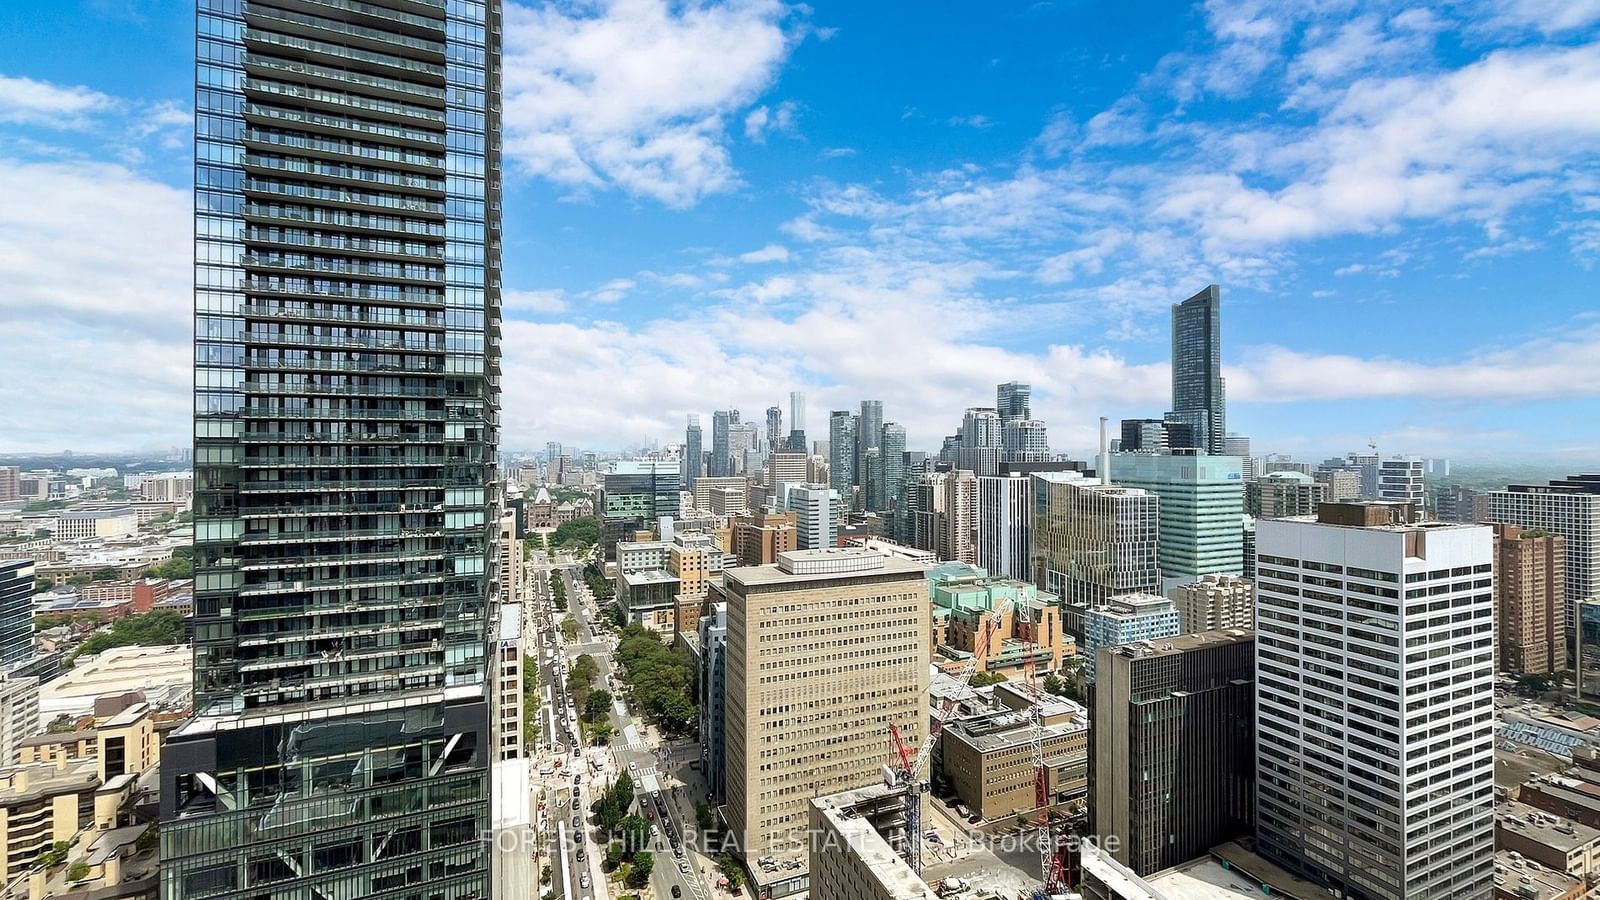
point(759, 538)
point(988, 758)
point(1215, 601)
point(856, 838)
point(1530, 569)
point(826, 648)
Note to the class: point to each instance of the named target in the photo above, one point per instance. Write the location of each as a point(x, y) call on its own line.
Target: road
point(635, 749)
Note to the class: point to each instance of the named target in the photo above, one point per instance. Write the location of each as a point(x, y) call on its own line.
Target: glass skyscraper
point(347, 332)
point(1197, 390)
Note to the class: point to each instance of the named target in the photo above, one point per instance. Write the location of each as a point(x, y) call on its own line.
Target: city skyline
point(1038, 236)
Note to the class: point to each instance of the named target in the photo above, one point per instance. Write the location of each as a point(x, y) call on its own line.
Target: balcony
point(388, 345)
point(382, 315)
point(255, 387)
point(364, 484)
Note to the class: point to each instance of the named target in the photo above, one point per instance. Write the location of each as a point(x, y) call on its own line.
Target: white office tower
point(817, 512)
point(1005, 526)
point(1403, 478)
point(1375, 702)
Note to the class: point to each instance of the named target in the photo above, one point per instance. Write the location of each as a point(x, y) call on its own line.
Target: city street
point(666, 801)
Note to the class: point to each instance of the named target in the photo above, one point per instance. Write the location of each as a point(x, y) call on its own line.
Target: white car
point(683, 866)
point(583, 881)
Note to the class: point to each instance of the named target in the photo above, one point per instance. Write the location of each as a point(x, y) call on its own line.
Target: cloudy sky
point(713, 203)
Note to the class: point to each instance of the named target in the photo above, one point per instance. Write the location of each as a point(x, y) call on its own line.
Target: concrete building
point(82, 525)
point(1548, 839)
point(964, 600)
point(10, 483)
point(759, 537)
point(1530, 569)
point(704, 486)
point(1124, 620)
point(165, 675)
point(712, 678)
point(1375, 703)
point(1094, 541)
point(1339, 484)
point(41, 804)
point(958, 523)
point(817, 515)
point(19, 715)
point(1518, 878)
point(1403, 479)
point(1202, 504)
point(987, 759)
point(168, 487)
point(1005, 525)
point(785, 468)
point(1215, 601)
point(1174, 744)
point(825, 649)
point(924, 558)
point(662, 584)
point(857, 845)
point(1569, 507)
point(512, 574)
point(509, 649)
point(1462, 504)
point(1282, 494)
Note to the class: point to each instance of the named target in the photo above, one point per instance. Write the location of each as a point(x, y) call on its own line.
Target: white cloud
point(763, 121)
point(768, 254)
point(837, 152)
point(1547, 16)
point(973, 121)
point(534, 301)
point(24, 101)
point(634, 94)
point(612, 291)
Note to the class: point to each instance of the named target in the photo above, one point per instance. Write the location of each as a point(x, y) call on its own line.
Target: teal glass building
point(1202, 510)
point(347, 347)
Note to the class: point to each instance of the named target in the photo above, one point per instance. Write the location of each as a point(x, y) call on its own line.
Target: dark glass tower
point(1197, 391)
point(347, 347)
point(693, 455)
point(16, 610)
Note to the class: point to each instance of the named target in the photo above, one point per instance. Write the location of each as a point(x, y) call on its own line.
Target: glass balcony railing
point(364, 390)
point(366, 315)
point(354, 54)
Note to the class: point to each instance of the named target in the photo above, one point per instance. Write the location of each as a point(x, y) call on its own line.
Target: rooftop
point(852, 562)
point(1529, 880)
point(893, 875)
point(1545, 828)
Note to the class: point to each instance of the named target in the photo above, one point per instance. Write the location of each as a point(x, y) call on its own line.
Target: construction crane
point(912, 767)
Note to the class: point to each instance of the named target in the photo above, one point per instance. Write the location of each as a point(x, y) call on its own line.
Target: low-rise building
point(40, 804)
point(19, 715)
point(1519, 878)
point(857, 838)
point(1548, 839)
point(988, 762)
point(1123, 620)
point(76, 525)
point(165, 676)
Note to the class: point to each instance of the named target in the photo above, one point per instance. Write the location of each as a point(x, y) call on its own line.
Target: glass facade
point(347, 332)
point(1197, 389)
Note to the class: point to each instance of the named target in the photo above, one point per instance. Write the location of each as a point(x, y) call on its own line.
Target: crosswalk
point(632, 746)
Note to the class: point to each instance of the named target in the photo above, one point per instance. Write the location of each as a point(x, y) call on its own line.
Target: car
point(633, 767)
point(583, 881)
point(677, 891)
point(974, 818)
point(580, 853)
point(649, 814)
point(677, 849)
point(577, 821)
point(577, 778)
point(576, 800)
point(683, 866)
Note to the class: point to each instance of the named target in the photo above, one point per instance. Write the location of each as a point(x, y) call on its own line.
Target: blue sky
point(712, 204)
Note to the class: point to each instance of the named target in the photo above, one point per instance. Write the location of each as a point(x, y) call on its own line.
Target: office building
point(634, 494)
point(10, 483)
point(1005, 525)
point(1014, 401)
point(168, 487)
point(511, 567)
point(858, 846)
point(1530, 583)
point(1215, 602)
point(1283, 494)
point(816, 515)
point(842, 454)
point(693, 466)
point(1239, 445)
point(1403, 479)
point(786, 468)
point(1197, 385)
point(1154, 435)
point(1174, 744)
point(703, 488)
point(86, 524)
point(347, 337)
point(1569, 507)
point(988, 759)
point(1375, 701)
point(1093, 541)
point(1202, 505)
point(1123, 620)
point(869, 429)
point(712, 675)
point(720, 464)
point(809, 707)
point(16, 610)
